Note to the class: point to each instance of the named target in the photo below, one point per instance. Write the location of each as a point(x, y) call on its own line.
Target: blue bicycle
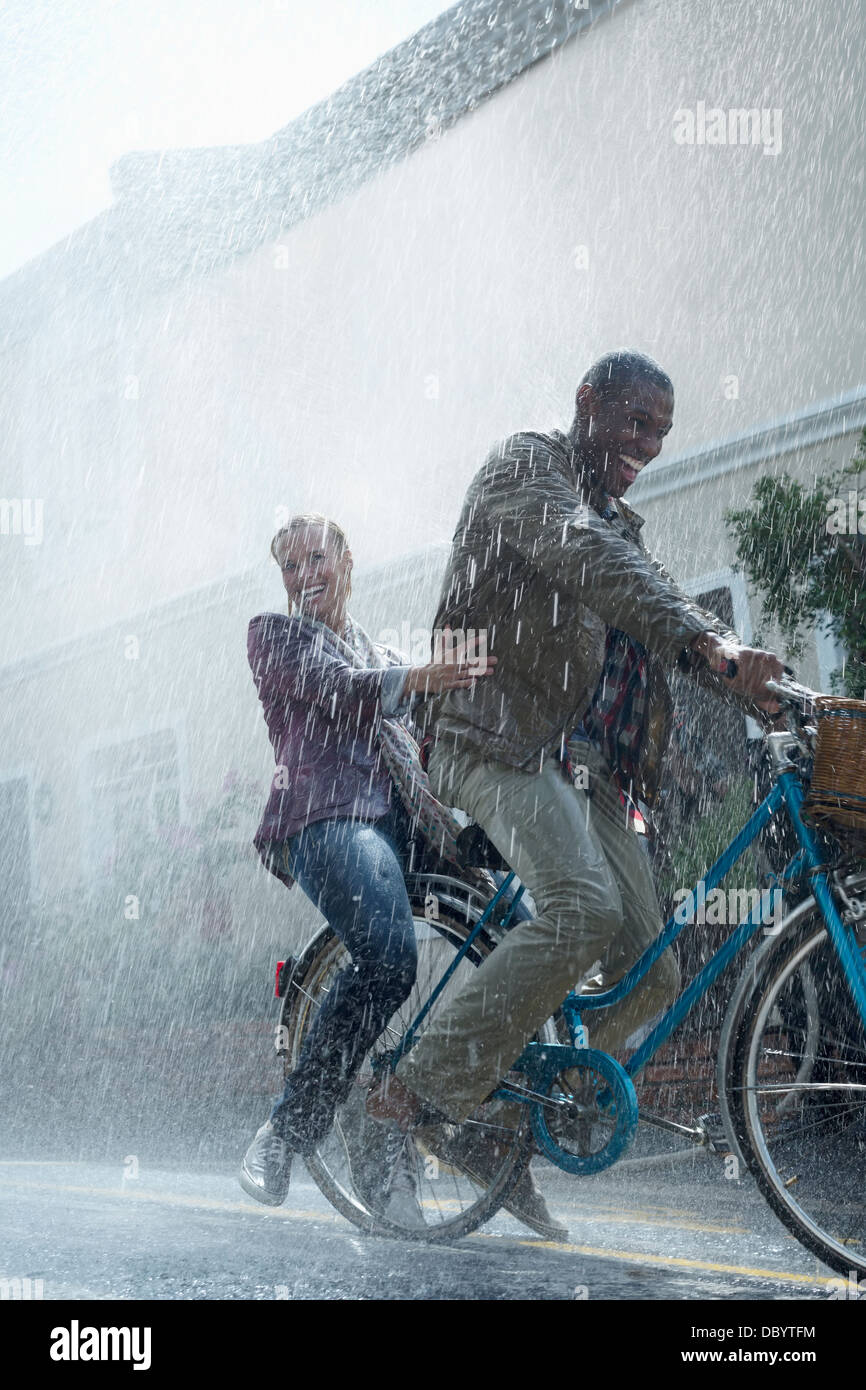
point(792, 1063)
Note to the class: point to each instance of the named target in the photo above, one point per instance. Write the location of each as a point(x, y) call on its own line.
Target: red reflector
point(280, 964)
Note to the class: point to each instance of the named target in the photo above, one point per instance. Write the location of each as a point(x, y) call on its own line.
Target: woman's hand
point(448, 674)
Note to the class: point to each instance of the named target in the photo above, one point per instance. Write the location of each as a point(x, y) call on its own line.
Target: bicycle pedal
point(713, 1131)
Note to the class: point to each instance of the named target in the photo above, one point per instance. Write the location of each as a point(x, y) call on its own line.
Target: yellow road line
point(678, 1223)
point(290, 1214)
point(670, 1216)
point(621, 1218)
point(674, 1261)
point(646, 1210)
point(131, 1189)
point(179, 1200)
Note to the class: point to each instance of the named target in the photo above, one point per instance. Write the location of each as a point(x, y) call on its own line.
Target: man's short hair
point(616, 369)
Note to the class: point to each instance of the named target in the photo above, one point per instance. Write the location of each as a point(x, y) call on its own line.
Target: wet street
point(417, 415)
point(649, 1230)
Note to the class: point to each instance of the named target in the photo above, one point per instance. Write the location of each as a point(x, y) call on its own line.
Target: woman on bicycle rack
point(333, 702)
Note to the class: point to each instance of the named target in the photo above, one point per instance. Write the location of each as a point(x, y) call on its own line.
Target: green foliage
point(700, 843)
point(802, 568)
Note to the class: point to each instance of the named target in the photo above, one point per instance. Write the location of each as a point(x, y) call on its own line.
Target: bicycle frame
point(787, 791)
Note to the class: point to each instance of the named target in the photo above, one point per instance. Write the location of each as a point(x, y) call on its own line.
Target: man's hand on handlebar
point(746, 669)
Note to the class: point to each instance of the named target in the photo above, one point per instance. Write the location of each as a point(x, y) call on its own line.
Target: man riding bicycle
point(548, 562)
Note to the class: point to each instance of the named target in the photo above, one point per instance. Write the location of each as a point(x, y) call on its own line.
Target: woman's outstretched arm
point(291, 661)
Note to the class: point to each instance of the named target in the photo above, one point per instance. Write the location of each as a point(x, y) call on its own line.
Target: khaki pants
point(590, 878)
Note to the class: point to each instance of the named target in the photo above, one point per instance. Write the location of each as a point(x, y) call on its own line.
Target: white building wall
point(364, 364)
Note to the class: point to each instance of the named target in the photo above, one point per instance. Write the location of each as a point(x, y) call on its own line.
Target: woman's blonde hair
point(308, 521)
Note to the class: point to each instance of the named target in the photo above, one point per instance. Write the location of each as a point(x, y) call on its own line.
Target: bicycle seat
point(477, 851)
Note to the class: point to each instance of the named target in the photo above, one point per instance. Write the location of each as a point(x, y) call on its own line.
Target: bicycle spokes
point(805, 1095)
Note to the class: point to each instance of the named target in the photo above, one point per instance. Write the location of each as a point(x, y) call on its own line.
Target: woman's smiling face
point(315, 570)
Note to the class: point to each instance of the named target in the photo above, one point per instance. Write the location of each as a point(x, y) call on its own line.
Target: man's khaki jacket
point(536, 568)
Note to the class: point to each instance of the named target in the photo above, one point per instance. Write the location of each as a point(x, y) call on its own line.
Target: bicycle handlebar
point(799, 703)
point(791, 692)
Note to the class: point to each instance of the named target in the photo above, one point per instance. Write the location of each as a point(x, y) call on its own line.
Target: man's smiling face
point(621, 432)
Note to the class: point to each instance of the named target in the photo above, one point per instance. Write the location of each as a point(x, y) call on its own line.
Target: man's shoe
point(267, 1167)
point(382, 1162)
point(389, 1101)
point(480, 1156)
point(529, 1206)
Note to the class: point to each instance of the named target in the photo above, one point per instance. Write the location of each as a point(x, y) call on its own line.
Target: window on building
point(134, 797)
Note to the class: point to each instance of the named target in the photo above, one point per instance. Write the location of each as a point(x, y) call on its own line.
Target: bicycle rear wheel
point(451, 1202)
point(796, 1094)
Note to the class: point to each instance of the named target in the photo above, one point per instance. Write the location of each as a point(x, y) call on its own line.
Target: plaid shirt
point(617, 712)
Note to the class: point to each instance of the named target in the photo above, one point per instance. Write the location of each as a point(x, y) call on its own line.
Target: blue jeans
point(353, 872)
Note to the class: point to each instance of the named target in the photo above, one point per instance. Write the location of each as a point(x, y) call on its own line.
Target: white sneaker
point(267, 1167)
point(382, 1162)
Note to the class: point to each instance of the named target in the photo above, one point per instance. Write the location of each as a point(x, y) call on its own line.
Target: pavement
point(667, 1225)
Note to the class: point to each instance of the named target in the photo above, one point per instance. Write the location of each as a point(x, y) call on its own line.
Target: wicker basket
point(838, 790)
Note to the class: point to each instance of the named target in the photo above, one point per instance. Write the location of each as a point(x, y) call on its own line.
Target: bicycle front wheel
point(796, 1094)
point(448, 1202)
